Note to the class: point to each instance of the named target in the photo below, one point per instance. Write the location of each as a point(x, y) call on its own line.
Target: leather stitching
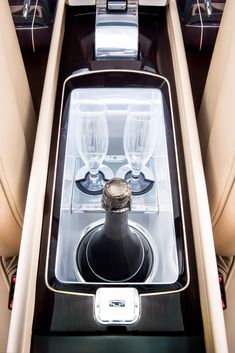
point(224, 196)
point(230, 273)
point(4, 274)
point(9, 197)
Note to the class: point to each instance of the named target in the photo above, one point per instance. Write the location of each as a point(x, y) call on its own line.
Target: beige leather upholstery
point(217, 132)
point(20, 333)
point(17, 132)
point(216, 125)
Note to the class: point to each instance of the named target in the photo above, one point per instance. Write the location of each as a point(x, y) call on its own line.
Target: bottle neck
point(116, 225)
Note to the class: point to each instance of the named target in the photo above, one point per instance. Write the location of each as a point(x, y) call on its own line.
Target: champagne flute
point(139, 143)
point(92, 143)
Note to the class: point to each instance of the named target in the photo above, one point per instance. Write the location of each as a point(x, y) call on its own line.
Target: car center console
point(77, 313)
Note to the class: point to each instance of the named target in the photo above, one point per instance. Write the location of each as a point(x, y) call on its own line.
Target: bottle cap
point(116, 196)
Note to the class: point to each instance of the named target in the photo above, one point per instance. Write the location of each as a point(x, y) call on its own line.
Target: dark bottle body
point(115, 251)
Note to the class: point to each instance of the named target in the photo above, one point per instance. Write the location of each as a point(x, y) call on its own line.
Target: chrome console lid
point(116, 34)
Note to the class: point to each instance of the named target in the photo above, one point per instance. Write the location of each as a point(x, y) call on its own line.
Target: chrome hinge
point(114, 5)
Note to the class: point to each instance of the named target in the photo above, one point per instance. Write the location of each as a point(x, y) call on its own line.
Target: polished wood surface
point(158, 314)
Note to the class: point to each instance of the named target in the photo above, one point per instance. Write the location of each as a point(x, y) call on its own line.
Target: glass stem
point(94, 176)
point(135, 173)
point(94, 171)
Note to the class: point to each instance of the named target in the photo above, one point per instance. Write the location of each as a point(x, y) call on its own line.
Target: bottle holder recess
point(153, 213)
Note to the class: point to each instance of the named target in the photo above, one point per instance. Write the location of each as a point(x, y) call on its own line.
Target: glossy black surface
point(101, 258)
point(200, 30)
point(124, 344)
point(42, 20)
point(172, 314)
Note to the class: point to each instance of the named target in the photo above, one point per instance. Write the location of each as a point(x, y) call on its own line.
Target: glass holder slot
point(75, 200)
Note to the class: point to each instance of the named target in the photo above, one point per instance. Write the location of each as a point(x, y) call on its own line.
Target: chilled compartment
point(120, 147)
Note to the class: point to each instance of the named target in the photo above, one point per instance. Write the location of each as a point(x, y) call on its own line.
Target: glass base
point(92, 185)
point(140, 185)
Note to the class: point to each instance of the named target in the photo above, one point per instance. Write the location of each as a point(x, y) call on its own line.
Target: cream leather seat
point(17, 132)
point(216, 124)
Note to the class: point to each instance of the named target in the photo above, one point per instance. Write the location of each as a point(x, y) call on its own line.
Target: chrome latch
point(116, 5)
point(26, 8)
point(208, 7)
point(117, 306)
point(116, 34)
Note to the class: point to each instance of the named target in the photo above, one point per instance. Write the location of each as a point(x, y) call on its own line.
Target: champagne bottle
point(115, 251)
